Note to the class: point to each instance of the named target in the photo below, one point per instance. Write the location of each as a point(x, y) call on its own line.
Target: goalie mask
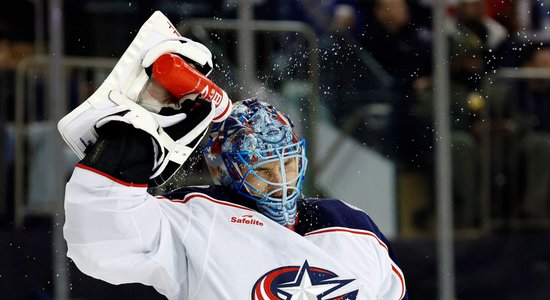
point(256, 152)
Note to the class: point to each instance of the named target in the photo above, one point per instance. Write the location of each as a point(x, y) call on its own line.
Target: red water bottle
point(182, 79)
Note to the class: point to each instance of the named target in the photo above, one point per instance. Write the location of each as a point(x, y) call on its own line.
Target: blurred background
point(437, 125)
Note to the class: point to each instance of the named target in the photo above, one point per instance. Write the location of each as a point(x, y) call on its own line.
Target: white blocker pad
point(128, 78)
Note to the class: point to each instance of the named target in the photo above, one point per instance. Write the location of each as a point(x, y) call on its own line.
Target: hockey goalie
point(250, 235)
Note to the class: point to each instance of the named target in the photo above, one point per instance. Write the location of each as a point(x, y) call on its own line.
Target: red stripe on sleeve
point(130, 184)
point(400, 276)
point(195, 195)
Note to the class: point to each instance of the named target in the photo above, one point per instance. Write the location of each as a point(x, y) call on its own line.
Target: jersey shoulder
point(316, 214)
point(216, 192)
point(209, 190)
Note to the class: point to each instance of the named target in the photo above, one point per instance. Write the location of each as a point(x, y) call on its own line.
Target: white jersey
point(199, 245)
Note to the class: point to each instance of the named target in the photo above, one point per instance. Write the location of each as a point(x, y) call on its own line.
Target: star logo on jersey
point(302, 283)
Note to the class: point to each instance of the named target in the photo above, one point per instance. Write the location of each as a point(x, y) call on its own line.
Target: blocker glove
point(129, 154)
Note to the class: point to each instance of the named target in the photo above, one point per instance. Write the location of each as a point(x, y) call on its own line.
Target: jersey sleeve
point(117, 232)
point(392, 284)
point(393, 281)
point(354, 228)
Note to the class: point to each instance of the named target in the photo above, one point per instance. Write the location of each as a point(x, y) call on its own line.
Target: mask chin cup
point(284, 214)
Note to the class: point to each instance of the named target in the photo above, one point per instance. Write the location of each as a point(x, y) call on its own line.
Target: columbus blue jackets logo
point(302, 283)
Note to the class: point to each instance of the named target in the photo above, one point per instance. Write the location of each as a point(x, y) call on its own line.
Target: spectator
point(403, 50)
point(527, 21)
point(466, 100)
point(397, 44)
point(532, 99)
point(471, 18)
point(344, 18)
